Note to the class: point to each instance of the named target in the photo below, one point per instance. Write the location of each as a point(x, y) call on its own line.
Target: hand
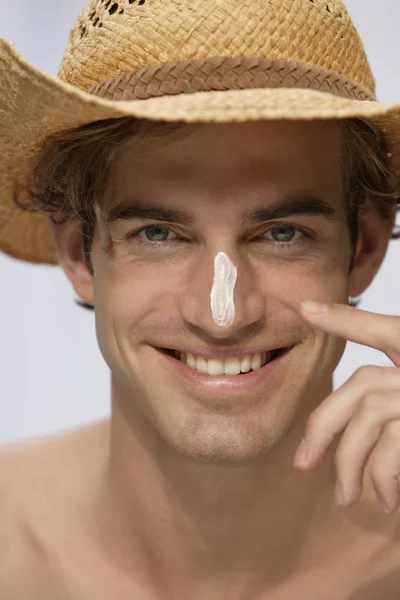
point(366, 408)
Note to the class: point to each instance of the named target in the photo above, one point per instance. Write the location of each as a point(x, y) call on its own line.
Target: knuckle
point(366, 374)
point(372, 402)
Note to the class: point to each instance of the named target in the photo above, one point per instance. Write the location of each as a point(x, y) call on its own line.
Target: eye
point(155, 233)
point(283, 233)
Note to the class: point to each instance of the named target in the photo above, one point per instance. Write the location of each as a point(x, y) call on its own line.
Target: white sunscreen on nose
point(222, 303)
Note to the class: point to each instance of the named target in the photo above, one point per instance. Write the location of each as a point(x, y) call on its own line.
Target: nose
point(195, 302)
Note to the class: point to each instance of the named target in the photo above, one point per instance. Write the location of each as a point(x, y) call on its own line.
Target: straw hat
point(181, 60)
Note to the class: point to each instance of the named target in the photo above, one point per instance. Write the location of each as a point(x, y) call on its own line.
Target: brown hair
point(74, 166)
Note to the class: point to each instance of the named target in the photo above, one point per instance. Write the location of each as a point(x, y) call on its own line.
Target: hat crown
point(111, 38)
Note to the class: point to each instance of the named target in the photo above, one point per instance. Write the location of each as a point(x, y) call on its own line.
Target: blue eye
point(283, 233)
point(284, 237)
point(160, 233)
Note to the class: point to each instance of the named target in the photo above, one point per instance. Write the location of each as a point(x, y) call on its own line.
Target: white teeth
point(245, 363)
point(228, 366)
point(256, 361)
point(191, 361)
point(231, 366)
point(201, 364)
point(216, 367)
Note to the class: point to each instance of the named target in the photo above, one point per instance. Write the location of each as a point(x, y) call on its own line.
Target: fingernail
point(300, 459)
point(314, 307)
point(339, 495)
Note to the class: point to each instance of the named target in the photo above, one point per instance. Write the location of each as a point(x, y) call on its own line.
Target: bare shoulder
point(31, 469)
point(40, 480)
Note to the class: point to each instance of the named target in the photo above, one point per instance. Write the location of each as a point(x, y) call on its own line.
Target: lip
point(223, 384)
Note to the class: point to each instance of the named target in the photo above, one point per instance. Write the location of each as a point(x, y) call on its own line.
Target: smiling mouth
point(264, 359)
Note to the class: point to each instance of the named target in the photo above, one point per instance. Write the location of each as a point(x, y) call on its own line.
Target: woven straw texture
point(113, 37)
point(189, 60)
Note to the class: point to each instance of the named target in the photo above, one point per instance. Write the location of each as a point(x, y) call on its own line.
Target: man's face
point(153, 289)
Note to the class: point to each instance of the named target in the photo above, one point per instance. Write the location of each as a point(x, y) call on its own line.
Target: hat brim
point(33, 105)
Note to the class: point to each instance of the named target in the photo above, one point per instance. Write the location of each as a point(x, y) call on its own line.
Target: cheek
point(127, 293)
point(319, 280)
point(325, 281)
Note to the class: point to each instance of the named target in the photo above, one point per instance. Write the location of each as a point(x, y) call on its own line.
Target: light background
point(53, 376)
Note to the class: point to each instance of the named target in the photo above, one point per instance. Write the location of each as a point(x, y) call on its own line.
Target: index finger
point(378, 331)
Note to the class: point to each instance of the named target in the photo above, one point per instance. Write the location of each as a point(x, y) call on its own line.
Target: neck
point(173, 516)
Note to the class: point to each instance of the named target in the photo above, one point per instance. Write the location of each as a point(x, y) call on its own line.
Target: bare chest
point(77, 573)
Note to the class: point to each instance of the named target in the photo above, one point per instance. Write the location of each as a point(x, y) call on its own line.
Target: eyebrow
point(292, 205)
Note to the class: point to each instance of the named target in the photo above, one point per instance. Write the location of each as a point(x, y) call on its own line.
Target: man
point(196, 252)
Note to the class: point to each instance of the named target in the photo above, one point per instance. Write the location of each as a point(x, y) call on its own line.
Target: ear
point(69, 247)
point(373, 240)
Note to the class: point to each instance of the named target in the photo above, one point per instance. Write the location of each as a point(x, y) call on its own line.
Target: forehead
point(236, 154)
